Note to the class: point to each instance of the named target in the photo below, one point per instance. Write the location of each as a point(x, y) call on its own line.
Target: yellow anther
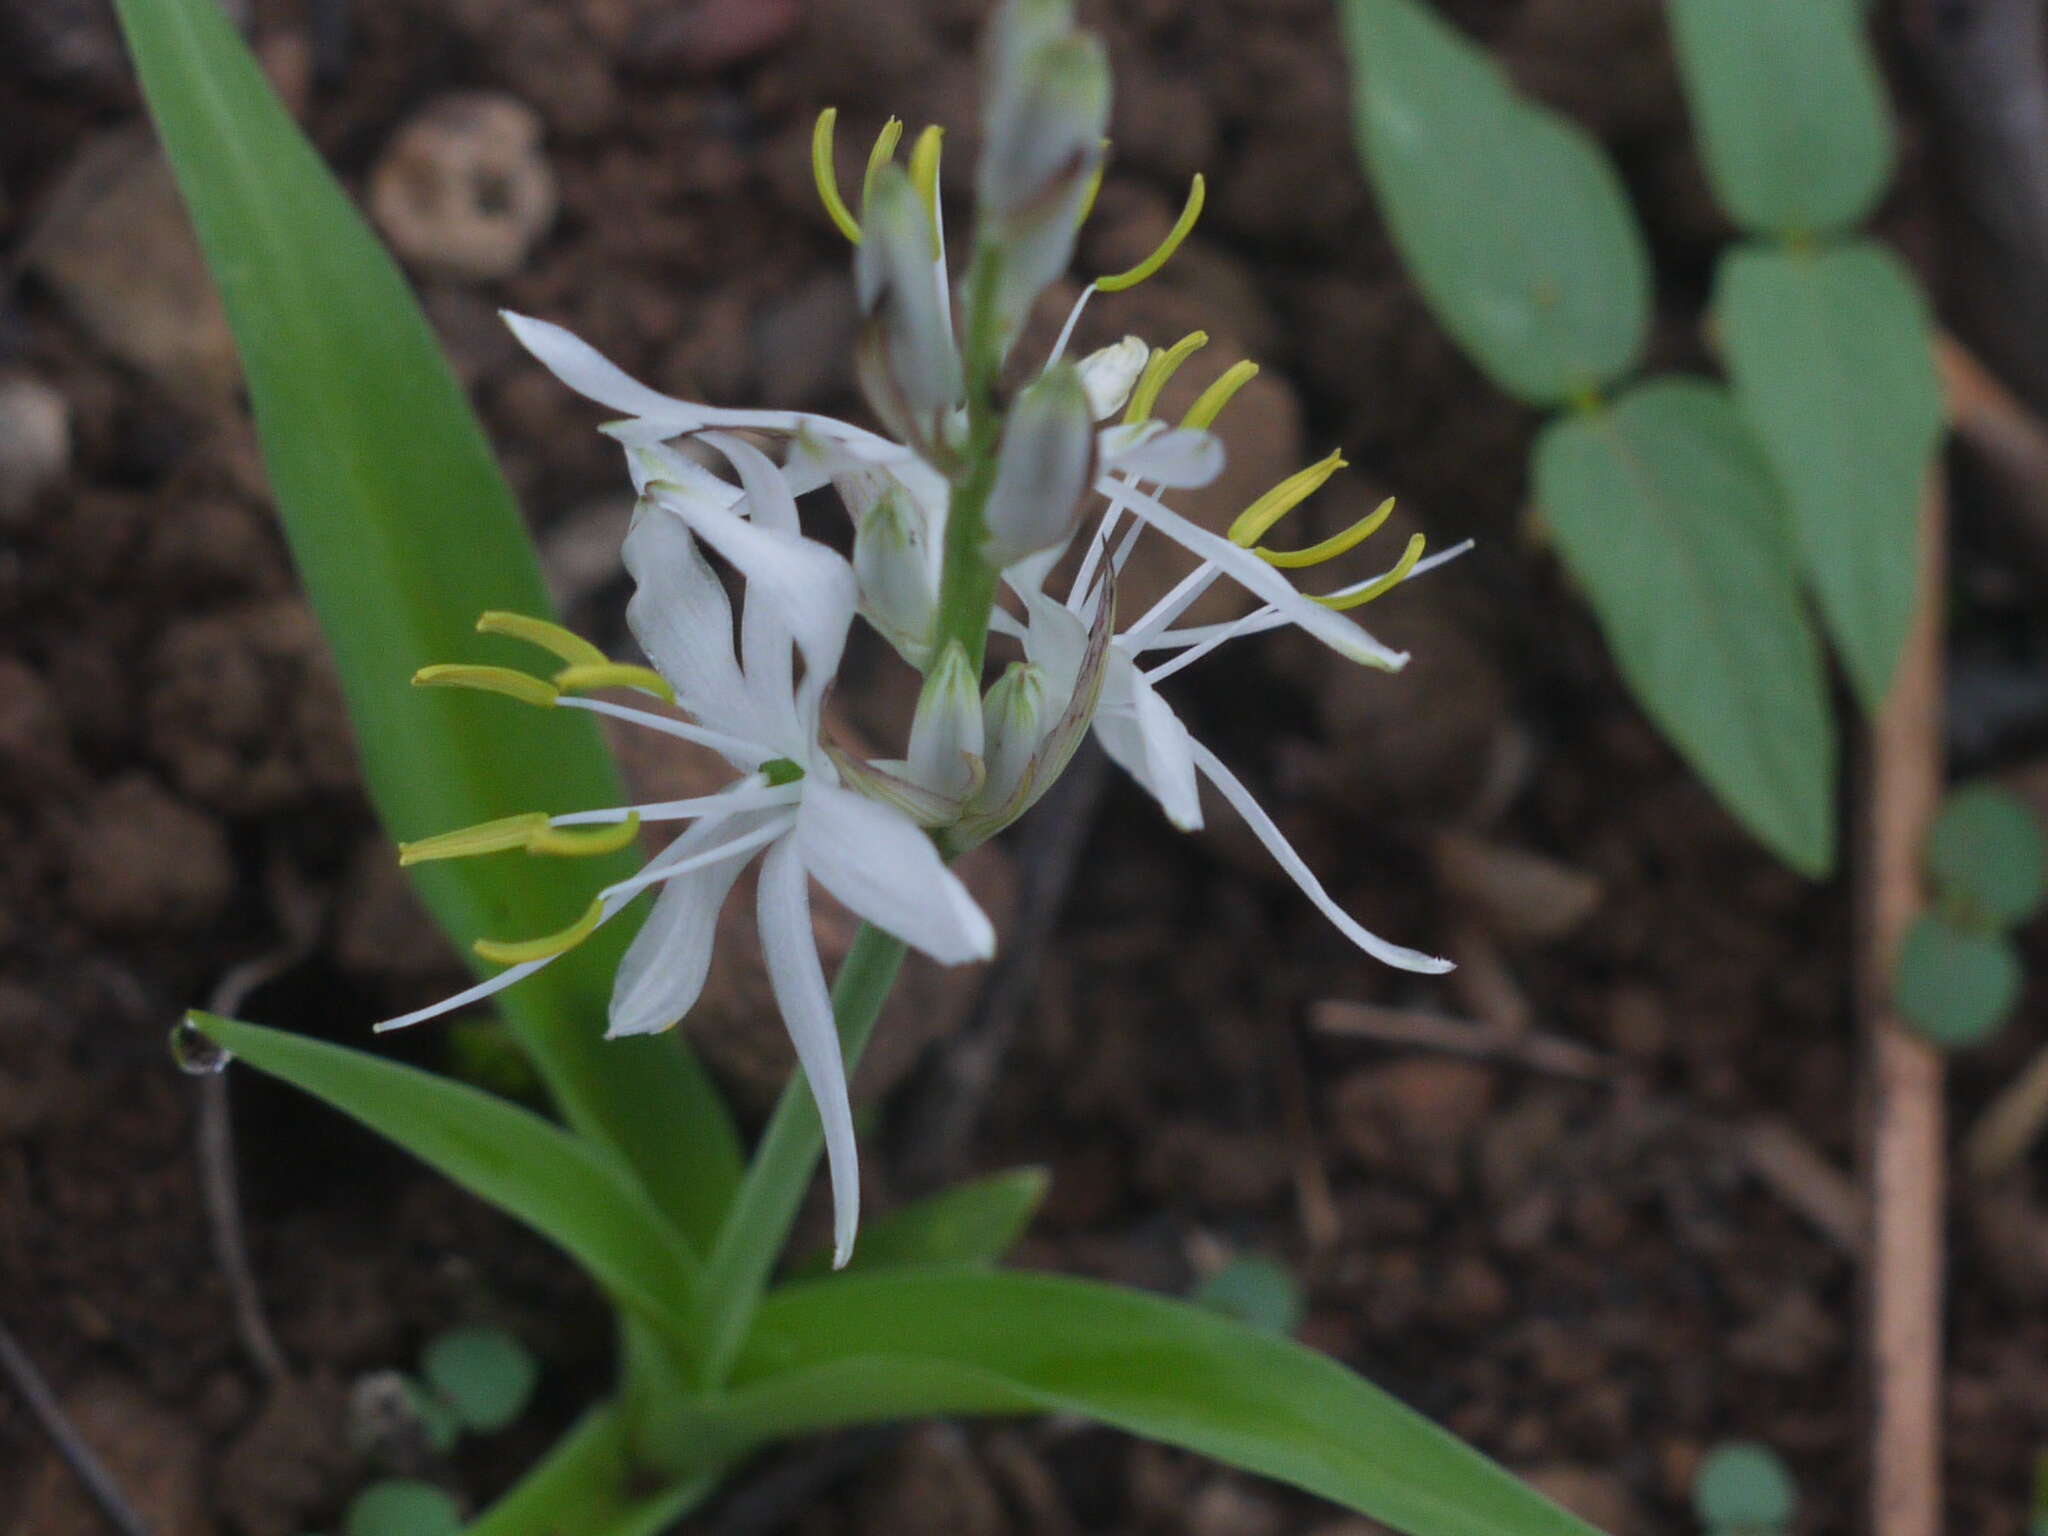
point(1191, 210)
point(522, 686)
point(572, 648)
point(1383, 585)
point(1330, 548)
point(1161, 367)
point(486, 837)
point(1209, 405)
point(827, 177)
point(575, 843)
point(883, 152)
point(1094, 185)
point(548, 945)
point(924, 168)
point(1253, 523)
point(614, 674)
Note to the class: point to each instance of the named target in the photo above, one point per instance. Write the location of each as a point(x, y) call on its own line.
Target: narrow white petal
point(737, 750)
point(769, 501)
point(878, 864)
point(798, 981)
point(726, 802)
point(1147, 740)
point(1240, 798)
point(464, 998)
point(664, 968)
point(594, 376)
point(669, 868)
point(682, 617)
point(1179, 457)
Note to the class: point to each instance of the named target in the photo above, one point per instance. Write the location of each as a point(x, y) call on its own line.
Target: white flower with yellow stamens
point(748, 704)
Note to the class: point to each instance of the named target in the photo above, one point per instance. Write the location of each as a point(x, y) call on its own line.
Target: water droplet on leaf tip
point(196, 1052)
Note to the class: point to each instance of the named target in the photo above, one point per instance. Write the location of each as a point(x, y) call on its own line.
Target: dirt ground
point(1586, 1255)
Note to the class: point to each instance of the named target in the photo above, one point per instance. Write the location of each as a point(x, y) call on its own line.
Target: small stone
point(463, 188)
point(35, 441)
point(143, 860)
point(1425, 1102)
point(1520, 894)
point(1594, 1496)
point(704, 37)
point(35, 749)
point(1228, 1508)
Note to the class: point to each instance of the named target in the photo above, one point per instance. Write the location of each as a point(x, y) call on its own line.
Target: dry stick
point(2009, 1124)
point(1457, 1037)
point(42, 1403)
point(2009, 440)
point(1902, 1099)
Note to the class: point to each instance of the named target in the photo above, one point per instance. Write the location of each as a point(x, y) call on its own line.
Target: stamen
point(1252, 523)
point(514, 685)
point(1380, 587)
point(614, 674)
point(1209, 404)
point(571, 647)
point(1191, 210)
point(827, 178)
point(1162, 367)
point(1328, 549)
point(466, 842)
point(781, 770)
point(883, 152)
point(924, 167)
point(559, 843)
point(546, 947)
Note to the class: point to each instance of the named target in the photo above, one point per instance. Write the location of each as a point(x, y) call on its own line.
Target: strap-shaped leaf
point(1790, 110)
point(1834, 371)
point(404, 531)
point(973, 1223)
point(864, 1347)
point(1666, 512)
point(570, 1191)
point(1511, 218)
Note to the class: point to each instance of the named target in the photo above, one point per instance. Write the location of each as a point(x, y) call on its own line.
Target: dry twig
point(1438, 1032)
point(90, 1471)
point(1808, 1182)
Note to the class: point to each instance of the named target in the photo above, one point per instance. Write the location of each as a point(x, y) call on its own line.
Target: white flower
point(748, 704)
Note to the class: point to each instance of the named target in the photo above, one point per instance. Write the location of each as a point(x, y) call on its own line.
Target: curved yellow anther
point(576, 843)
point(1253, 523)
point(614, 674)
point(883, 152)
point(1094, 185)
point(522, 686)
point(1162, 365)
point(1382, 585)
point(547, 946)
point(571, 647)
point(827, 178)
point(1191, 210)
point(1209, 404)
point(1332, 547)
point(924, 168)
point(485, 837)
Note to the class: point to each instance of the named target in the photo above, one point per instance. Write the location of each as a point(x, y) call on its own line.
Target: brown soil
point(1585, 1277)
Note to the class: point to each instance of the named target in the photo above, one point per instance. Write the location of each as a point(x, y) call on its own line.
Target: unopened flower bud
point(911, 369)
point(892, 563)
point(946, 735)
point(1043, 468)
point(1110, 373)
point(1013, 725)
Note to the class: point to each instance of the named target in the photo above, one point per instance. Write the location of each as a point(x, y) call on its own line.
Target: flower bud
point(892, 563)
point(1013, 721)
point(946, 736)
point(911, 369)
point(1043, 468)
point(1110, 373)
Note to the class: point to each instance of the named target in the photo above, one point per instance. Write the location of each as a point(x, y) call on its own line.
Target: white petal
point(594, 376)
point(769, 500)
point(464, 998)
point(665, 966)
point(798, 981)
point(877, 863)
point(1111, 371)
point(1181, 457)
point(1145, 737)
point(1240, 798)
point(682, 618)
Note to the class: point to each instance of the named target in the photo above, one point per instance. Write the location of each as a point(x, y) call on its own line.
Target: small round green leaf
point(403, 1507)
point(1259, 1292)
point(1744, 1488)
point(437, 1417)
point(1986, 848)
point(484, 1374)
point(1956, 988)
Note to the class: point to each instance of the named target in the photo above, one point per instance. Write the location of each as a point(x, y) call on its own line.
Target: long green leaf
point(404, 531)
point(1511, 218)
point(863, 1347)
point(569, 1190)
point(973, 1223)
point(1790, 110)
point(1667, 514)
point(587, 1484)
point(1833, 367)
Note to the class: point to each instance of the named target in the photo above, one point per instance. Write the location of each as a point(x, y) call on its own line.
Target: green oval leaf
point(1986, 850)
point(1511, 218)
point(860, 1348)
point(1744, 1487)
point(1669, 518)
point(484, 1374)
point(1955, 987)
point(403, 1507)
point(1833, 369)
point(1258, 1291)
point(1790, 109)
